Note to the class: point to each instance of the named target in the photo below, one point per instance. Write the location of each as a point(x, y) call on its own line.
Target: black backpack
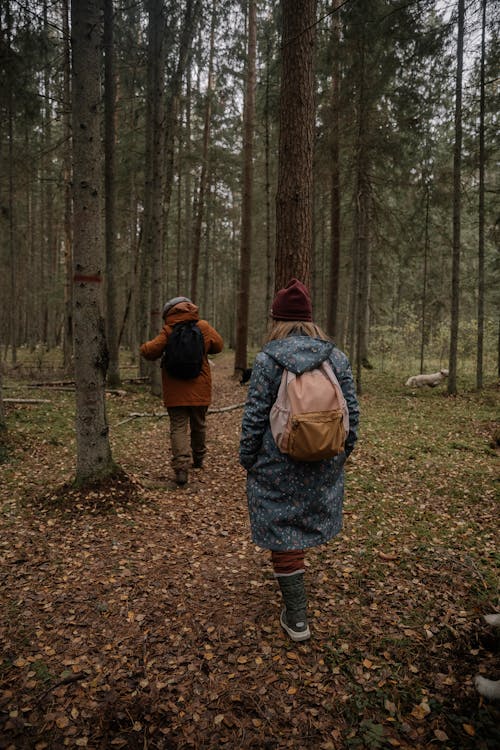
point(183, 355)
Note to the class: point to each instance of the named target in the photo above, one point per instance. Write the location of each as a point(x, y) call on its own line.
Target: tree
point(109, 198)
point(94, 459)
point(68, 207)
point(294, 197)
point(333, 292)
point(480, 253)
point(204, 161)
point(155, 172)
point(3, 421)
point(457, 169)
point(240, 360)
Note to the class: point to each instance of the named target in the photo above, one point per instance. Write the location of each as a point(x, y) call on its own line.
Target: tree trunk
point(480, 254)
point(173, 100)
point(361, 243)
point(152, 256)
point(457, 170)
point(334, 286)
point(109, 198)
point(424, 282)
point(157, 184)
point(240, 359)
point(3, 421)
point(294, 198)
point(91, 357)
point(11, 244)
point(48, 237)
point(267, 148)
point(68, 208)
point(204, 163)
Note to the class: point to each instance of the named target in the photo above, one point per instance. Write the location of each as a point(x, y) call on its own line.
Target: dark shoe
point(294, 618)
point(298, 631)
point(181, 476)
point(197, 463)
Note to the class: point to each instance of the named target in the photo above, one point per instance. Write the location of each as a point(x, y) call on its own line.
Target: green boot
point(293, 618)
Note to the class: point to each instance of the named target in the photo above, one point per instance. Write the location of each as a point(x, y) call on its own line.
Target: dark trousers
point(187, 434)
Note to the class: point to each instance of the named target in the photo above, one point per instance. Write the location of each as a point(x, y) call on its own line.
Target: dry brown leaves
point(140, 615)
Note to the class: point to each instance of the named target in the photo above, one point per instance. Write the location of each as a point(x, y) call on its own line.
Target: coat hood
point(299, 353)
point(180, 312)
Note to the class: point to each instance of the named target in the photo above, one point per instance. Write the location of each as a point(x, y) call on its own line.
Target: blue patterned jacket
point(292, 505)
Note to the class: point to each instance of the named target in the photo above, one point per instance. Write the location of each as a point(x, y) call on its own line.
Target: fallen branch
point(27, 401)
point(65, 681)
point(139, 415)
point(160, 414)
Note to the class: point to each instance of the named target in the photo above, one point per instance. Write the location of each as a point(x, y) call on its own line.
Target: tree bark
point(11, 245)
point(152, 256)
point(68, 207)
point(204, 163)
point(334, 286)
point(267, 150)
point(457, 173)
point(240, 358)
point(3, 421)
point(424, 281)
point(294, 198)
point(113, 377)
point(94, 459)
point(480, 253)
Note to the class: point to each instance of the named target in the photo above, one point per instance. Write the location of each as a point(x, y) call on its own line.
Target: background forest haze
point(174, 80)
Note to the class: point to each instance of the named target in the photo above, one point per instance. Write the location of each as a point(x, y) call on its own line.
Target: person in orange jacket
point(187, 401)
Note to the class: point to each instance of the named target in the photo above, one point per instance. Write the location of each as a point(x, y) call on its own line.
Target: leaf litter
point(137, 614)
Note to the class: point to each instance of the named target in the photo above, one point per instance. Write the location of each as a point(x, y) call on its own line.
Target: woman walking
point(293, 504)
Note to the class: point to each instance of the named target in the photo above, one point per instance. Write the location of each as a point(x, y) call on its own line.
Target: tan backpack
point(309, 419)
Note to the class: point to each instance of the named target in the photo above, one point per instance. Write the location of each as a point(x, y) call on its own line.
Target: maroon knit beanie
point(292, 303)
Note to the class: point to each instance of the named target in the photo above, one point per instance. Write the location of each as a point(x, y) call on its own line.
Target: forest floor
point(140, 615)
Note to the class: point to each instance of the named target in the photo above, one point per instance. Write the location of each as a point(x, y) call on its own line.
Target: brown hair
point(280, 329)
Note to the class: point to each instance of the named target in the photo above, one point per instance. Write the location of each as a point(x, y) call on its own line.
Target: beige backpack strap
point(329, 372)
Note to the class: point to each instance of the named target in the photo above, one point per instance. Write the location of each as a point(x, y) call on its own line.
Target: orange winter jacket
point(195, 392)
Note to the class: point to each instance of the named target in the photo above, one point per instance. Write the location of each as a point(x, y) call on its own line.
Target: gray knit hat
point(172, 303)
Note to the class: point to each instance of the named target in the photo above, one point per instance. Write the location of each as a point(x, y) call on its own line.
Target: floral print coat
point(292, 505)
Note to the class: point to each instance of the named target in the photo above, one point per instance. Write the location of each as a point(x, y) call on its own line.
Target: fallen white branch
point(27, 401)
point(227, 408)
point(160, 414)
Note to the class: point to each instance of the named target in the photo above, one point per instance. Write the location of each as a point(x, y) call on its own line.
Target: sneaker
point(181, 476)
point(197, 463)
point(298, 631)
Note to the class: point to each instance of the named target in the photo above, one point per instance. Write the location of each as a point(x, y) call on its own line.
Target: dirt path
point(151, 621)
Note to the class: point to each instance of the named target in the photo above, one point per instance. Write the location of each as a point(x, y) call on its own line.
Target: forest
point(216, 150)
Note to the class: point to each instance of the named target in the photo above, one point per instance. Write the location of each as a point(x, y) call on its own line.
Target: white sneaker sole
point(303, 635)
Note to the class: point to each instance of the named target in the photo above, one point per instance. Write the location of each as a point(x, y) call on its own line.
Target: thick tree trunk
point(112, 269)
point(457, 172)
point(294, 198)
point(240, 359)
point(91, 357)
